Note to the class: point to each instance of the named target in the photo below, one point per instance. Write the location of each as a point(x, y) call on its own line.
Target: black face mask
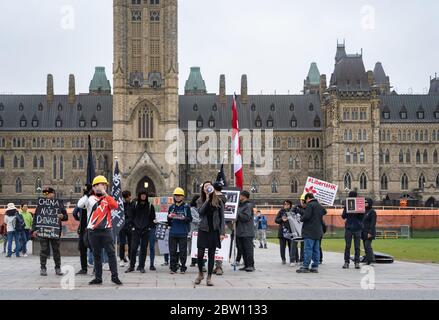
point(99, 194)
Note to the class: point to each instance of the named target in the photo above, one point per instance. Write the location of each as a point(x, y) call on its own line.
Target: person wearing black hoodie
point(125, 232)
point(352, 230)
point(284, 232)
point(368, 232)
point(142, 220)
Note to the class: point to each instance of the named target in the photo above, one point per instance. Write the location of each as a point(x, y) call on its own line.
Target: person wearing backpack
point(11, 225)
point(179, 218)
point(142, 219)
point(25, 235)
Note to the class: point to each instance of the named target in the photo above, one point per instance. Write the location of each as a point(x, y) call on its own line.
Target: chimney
point(49, 89)
point(244, 89)
point(323, 86)
point(72, 94)
point(370, 78)
point(222, 90)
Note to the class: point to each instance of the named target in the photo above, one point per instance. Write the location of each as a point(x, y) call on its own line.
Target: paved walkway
point(19, 279)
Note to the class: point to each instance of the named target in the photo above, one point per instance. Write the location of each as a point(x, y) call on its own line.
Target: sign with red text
point(324, 192)
point(220, 254)
point(356, 205)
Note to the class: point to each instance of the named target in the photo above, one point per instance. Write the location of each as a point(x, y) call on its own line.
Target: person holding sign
point(99, 206)
point(245, 232)
point(47, 226)
point(312, 233)
point(179, 218)
point(211, 230)
point(353, 226)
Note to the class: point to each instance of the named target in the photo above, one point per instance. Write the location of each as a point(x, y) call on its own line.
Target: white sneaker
point(292, 264)
point(90, 265)
point(106, 267)
point(25, 255)
point(122, 263)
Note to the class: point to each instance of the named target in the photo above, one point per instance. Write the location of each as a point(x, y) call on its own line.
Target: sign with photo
point(220, 254)
point(46, 218)
point(356, 205)
point(231, 207)
point(324, 192)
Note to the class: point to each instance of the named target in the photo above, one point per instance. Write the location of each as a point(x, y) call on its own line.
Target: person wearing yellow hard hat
point(179, 219)
point(100, 229)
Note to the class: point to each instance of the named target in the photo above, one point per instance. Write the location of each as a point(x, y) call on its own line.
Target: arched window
point(348, 156)
point(54, 167)
point(318, 143)
point(401, 156)
point(435, 157)
point(22, 162)
point(362, 157)
point(387, 156)
point(363, 182)
point(437, 182)
point(61, 167)
point(364, 134)
point(355, 156)
point(255, 186)
point(350, 135)
point(277, 163)
point(399, 135)
point(404, 182)
point(425, 157)
point(15, 162)
point(381, 157)
point(290, 142)
point(416, 135)
point(317, 163)
point(35, 162)
point(309, 142)
point(274, 186)
point(74, 163)
point(421, 182)
point(409, 135)
point(294, 186)
point(313, 144)
point(38, 185)
point(80, 163)
point(384, 182)
point(418, 156)
point(345, 135)
point(291, 163)
point(297, 163)
point(41, 162)
point(101, 163)
point(408, 157)
point(146, 123)
point(78, 186)
point(18, 186)
point(347, 181)
point(2, 162)
point(388, 135)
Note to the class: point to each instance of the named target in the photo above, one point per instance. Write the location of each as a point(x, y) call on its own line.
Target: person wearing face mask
point(284, 232)
point(179, 219)
point(211, 230)
point(368, 232)
point(100, 228)
point(142, 218)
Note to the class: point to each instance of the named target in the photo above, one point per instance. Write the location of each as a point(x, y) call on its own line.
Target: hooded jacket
point(244, 223)
point(353, 220)
point(313, 220)
point(141, 215)
point(369, 221)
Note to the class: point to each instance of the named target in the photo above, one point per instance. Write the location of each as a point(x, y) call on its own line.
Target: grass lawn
point(415, 250)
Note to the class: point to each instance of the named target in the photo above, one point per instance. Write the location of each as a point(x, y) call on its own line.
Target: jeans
point(14, 236)
point(139, 238)
point(370, 257)
point(357, 240)
point(181, 243)
point(103, 239)
point(245, 245)
point(45, 252)
point(312, 252)
point(24, 237)
point(262, 237)
point(124, 239)
point(294, 251)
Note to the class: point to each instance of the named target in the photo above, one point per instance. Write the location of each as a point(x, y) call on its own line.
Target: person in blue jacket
point(261, 225)
point(179, 219)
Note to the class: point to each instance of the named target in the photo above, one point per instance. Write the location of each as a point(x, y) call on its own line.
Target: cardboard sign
point(47, 222)
point(220, 254)
point(356, 205)
point(295, 225)
point(231, 207)
point(323, 191)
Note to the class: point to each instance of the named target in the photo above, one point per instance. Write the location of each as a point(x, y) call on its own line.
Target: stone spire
point(100, 84)
point(50, 94)
point(72, 91)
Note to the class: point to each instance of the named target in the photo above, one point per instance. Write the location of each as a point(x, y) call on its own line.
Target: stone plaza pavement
point(20, 279)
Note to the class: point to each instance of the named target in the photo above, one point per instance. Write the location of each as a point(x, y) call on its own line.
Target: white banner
point(323, 191)
point(220, 254)
point(231, 207)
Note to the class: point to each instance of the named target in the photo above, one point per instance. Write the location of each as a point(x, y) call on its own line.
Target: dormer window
point(436, 114)
point(273, 107)
point(270, 122)
point(293, 123)
point(420, 114)
point(292, 107)
point(195, 107)
point(79, 107)
point(317, 122)
point(258, 122)
point(34, 123)
point(311, 107)
point(21, 107)
point(40, 107)
point(403, 115)
point(94, 123)
point(200, 122)
point(82, 123)
point(99, 107)
point(58, 122)
point(1, 122)
point(386, 115)
point(211, 123)
point(60, 107)
point(253, 107)
point(23, 122)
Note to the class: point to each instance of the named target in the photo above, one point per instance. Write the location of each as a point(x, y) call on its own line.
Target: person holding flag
point(99, 206)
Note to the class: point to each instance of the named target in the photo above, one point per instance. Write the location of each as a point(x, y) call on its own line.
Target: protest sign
point(220, 254)
point(323, 191)
point(231, 207)
point(355, 205)
point(48, 224)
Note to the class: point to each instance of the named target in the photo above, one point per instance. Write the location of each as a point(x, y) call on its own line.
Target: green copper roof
point(100, 83)
point(195, 81)
point(314, 74)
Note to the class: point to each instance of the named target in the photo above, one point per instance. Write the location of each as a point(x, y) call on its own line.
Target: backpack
point(20, 225)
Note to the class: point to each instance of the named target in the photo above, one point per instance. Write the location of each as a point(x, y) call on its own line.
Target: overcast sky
point(273, 42)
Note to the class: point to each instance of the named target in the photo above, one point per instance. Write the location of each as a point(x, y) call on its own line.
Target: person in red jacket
point(99, 206)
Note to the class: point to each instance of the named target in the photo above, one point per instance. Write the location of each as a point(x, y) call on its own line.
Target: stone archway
point(147, 184)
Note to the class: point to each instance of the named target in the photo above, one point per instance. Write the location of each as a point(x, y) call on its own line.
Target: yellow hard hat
point(302, 197)
point(179, 192)
point(99, 180)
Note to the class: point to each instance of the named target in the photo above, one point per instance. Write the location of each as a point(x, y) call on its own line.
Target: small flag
point(118, 215)
point(237, 158)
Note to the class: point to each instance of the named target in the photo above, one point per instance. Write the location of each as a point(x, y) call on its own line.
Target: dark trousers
point(210, 259)
point(295, 251)
point(45, 252)
point(103, 239)
point(124, 239)
point(357, 240)
point(245, 245)
point(370, 257)
point(283, 245)
point(139, 238)
point(82, 247)
point(181, 244)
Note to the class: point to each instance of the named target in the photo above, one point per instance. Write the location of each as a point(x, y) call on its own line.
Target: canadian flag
point(237, 158)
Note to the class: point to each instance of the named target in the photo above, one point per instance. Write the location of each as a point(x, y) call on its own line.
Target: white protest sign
point(220, 254)
point(323, 191)
point(161, 216)
point(231, 207)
